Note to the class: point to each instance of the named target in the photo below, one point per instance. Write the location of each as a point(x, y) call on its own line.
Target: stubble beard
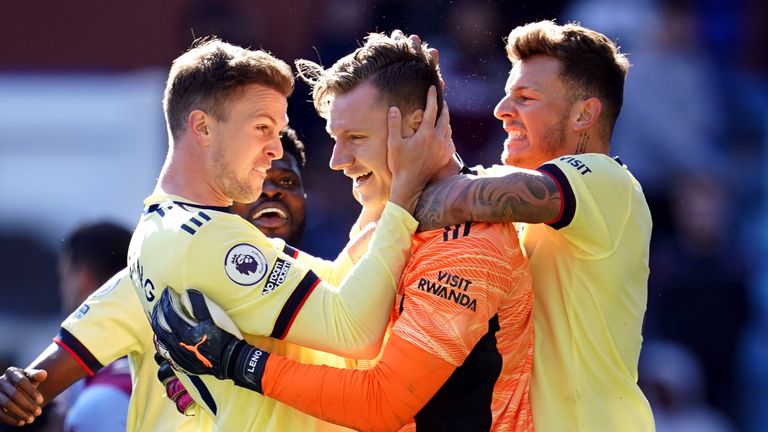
point(231, 186)
point(551, 145)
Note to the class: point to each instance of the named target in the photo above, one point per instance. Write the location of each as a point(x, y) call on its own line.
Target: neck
point(590, 141)
point(186, 175)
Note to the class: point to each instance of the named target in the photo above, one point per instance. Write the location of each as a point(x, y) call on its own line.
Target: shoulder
point(584, 167)
point(470, 241)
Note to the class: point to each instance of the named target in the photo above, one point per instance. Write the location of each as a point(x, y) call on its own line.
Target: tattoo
point(581, 147)
point(517, 197)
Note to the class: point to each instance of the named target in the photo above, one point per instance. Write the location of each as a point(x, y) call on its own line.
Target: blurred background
point(82, 138)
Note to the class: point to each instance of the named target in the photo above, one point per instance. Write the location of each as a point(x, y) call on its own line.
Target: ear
point(586, 113)
point(411, 122)
point(198, 123)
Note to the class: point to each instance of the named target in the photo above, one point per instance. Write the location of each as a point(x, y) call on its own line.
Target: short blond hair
point(400, 69)
point(591, 63)
point(212, 72)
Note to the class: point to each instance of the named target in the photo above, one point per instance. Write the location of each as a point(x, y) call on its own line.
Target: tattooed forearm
point(517, 197)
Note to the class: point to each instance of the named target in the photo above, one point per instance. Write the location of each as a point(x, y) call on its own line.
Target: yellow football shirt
point(590, 274)
point(266, 291)
point(109, 325)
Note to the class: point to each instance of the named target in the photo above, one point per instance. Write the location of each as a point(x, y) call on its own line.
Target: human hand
point(415, 160)
point(20, 402)
point(174, 389)
point(188, 332)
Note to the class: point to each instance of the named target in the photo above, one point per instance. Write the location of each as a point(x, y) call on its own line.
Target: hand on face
point(415, 160)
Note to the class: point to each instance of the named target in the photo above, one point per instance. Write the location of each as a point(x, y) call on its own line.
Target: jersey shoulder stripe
point(81, 354)
point(293, 305)
point(291, 251)
point(568, 199)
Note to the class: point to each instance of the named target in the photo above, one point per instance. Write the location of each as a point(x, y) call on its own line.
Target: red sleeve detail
point(77, 358)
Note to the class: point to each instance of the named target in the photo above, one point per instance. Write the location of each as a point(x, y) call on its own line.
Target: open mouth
point(270, 216)
point(515, 134)
point(359, 180)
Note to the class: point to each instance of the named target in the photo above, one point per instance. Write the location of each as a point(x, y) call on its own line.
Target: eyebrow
point(521, 88)
point(270, 118)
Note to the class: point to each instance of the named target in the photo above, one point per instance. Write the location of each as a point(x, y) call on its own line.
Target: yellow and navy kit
point(590, 275)
point(269, 290)
point(110, 324)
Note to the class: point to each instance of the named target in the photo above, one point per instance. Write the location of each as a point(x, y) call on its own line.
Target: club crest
point(245, 264)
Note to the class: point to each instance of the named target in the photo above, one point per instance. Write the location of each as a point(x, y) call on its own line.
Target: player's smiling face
point(281, 210)
point(247, 141)
point(534, 112)
point(357, 120)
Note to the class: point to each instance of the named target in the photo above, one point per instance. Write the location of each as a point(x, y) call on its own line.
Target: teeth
point(516, 134)
point(360, 178)
point(264, 211)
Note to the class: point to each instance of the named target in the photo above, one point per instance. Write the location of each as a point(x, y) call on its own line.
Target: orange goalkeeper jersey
point(460, 353)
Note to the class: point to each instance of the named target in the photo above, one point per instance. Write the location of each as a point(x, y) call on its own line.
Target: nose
point(271, 190)
point(341, 157)
point(505, 108)
point(275, 148)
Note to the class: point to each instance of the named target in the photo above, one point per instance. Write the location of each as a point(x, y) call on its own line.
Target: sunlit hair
point(591, 65)
point(211, 73)
point(293, 145)
point(400, 69)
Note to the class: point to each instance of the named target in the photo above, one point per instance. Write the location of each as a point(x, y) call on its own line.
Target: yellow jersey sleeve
point(111, 324)
point(108, 325)
point(597, 199)
point(332, 272)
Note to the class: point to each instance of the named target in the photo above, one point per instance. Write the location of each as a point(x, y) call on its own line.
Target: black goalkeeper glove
point(198, 345)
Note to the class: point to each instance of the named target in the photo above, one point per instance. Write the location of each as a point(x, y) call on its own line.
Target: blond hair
point(590, 63)
point(212, 72)
point(400, 69)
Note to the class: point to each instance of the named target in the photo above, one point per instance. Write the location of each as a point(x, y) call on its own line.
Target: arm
point(280, 297)
point(63, 371)
point(515, 195)
point(428, 342)
point(106, 325)
point(335, 271)
point(383, 398)
point(386, 397)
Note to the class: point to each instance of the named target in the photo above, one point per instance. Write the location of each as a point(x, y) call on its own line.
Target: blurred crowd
point(693, 130)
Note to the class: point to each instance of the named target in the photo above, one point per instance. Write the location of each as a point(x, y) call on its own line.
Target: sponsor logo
point(254, 360)
point(80, 313)
point(276, 276)
point(195, 349)
point(579, 165)
point(245, 264)
point(450, 287)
